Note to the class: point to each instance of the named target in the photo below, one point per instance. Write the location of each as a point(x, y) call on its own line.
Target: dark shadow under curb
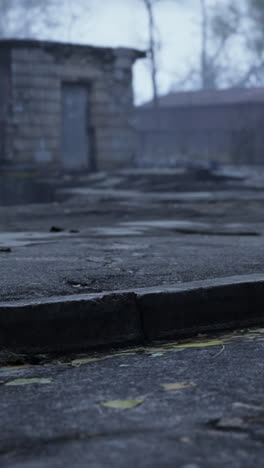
point(84, 322)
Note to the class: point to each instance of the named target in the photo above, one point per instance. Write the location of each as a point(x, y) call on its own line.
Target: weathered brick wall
point(33, 132)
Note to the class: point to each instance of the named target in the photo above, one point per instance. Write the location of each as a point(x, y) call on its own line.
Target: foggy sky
point(124, 23)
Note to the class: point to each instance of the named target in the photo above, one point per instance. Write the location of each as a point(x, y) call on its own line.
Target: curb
point(81, 322)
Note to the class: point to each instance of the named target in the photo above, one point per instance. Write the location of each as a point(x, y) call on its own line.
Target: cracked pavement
point(94, 242)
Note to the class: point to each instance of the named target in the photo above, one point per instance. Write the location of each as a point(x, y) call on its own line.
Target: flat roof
point(210, 97)
point(67, 46)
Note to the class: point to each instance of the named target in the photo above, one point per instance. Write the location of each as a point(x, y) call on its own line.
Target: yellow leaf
point(200, 345)
point(80, 362)
point(177, 386)
point(28, 381)
point(122, 404)
point(87, 360)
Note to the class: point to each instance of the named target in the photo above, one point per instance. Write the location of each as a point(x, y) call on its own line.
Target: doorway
point(76, 145)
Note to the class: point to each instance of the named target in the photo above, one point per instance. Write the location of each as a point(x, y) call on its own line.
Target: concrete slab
point(106, 244)
point(66, 324)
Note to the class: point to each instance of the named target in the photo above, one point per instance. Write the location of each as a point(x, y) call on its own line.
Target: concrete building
point(66, 107)
point(203, 126)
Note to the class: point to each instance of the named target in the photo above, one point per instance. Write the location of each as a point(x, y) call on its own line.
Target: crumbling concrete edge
point(82, 322)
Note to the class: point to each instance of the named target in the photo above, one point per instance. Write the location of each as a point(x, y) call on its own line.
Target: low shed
point(202, 126)
point(66, 106)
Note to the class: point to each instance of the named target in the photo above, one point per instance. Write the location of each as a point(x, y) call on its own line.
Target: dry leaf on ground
point(177, 386)
point(121, 404)
point(14, 368)
point(80, 362)
point(200, 345)
point(28, 381)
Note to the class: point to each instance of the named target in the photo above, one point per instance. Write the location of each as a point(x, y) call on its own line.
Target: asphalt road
point(127, 232)
point(196, 404)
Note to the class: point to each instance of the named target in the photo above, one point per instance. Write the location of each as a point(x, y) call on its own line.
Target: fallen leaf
point(177, 386)
point(80, 362)
point(200, 345)
point(122, 404)
point(28, 381)
point(14, 368)
point(156, 350)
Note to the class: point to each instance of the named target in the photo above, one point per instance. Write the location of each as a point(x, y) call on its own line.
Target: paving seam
point(71, 323)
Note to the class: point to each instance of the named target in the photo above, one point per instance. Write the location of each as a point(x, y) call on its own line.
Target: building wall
point(33, 124)
point(5, 101)
point(227, 133)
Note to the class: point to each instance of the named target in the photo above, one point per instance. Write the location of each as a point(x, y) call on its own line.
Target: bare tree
point(204, 58)
point(152, 48)
point(26, 18)
point(208, 68)
point(232, 45)
point(40, 18)
point(242, 22)
point(204, 74)
point(6, 7)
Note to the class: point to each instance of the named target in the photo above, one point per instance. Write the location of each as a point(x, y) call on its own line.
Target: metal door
point(75, 127)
